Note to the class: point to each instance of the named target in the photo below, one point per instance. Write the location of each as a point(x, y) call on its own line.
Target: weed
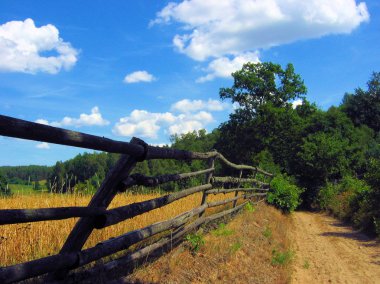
point(306, 264)
point(249, 207)
point(222, 231)
point(282, 258)
point(267, 232)
point(235, 246)
point(195, 242)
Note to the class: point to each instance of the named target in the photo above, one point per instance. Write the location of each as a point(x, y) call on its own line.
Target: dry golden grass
point(24, 242)
point(240, 253)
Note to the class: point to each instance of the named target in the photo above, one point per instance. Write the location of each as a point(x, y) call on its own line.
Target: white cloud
point(22, 45)
point(297, 103)
point(142, 123)
point(43, 145)
point(93, 119)
point(139, 76)
point(216, 28)
point(42, 121)
point(187, 105)
point(223, 66)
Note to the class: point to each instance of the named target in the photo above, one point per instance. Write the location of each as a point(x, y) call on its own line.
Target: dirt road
point(329, 252)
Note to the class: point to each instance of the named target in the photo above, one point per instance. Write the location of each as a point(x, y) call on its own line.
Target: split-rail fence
point(119, 179)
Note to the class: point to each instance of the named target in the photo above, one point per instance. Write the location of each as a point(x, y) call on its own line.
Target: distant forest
point(331, 157)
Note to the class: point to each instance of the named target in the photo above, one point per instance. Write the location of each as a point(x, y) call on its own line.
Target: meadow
point(24, 242)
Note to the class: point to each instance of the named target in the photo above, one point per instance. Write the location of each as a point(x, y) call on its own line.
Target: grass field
point(24, 242)
point(27, 189)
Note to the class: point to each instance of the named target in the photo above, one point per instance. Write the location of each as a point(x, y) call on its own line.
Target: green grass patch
point(249, 207)
point(222, 231)
point(267, 232)
point(282, 258)
point(236, 246)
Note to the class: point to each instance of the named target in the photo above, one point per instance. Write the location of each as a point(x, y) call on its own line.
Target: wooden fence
point(97, 216)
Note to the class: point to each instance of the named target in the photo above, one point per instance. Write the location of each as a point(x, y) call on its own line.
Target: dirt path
point(329, 252)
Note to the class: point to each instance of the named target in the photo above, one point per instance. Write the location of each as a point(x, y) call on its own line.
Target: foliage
point(25, 174)
point(249, 207)
point(195, 241)
point(264, 160)
point(355, 200)
point(222, 231)
point(85, 172)
point(284, 194)
point(342, 199)
point(323, 155)
point(282, 258)
point(259, 83)
point(363, 107)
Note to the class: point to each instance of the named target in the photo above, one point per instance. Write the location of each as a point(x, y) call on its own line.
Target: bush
point(343, 199)
point(284, 194)
point(195, 242)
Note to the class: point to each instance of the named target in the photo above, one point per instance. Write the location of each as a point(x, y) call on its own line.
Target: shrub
point(195, 242)
point(284, 194)
point(343, 199)
point(326, 196)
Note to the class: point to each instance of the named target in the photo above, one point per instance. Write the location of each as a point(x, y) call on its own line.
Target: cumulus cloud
point(142, 123)
point(189, 115)
point(297, 103)
point(42, 121)
point(43, 145)
point(93, 119)
point(187, 105)
point(216, 28)
point(139, 76)
point(223, 66)
point(22, 47)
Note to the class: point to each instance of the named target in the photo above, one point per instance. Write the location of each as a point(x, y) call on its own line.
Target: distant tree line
point(25, 174)
point(85, 172)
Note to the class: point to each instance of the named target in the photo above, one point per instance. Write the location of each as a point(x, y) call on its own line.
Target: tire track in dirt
point(327, 251)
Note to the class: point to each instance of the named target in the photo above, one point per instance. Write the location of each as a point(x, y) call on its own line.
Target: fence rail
point(97, 216)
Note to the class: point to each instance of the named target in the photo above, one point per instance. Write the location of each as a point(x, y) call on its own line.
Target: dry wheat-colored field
point(24, 242)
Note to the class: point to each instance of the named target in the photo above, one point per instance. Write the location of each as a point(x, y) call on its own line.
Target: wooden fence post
point(210, 164)
point(238, 185)
point(110, 186)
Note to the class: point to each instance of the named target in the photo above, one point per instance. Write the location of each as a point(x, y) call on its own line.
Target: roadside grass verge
point(236, 251)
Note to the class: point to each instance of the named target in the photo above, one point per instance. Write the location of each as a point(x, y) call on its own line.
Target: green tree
point(363, 107)
point(259, 83)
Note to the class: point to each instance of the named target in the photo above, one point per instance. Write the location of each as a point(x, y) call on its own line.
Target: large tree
point(257, 84)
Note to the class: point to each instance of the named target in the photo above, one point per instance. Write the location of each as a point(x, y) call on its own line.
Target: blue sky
point(154, 68)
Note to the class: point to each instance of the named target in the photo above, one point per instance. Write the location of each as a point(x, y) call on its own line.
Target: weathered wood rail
point(97, 216)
